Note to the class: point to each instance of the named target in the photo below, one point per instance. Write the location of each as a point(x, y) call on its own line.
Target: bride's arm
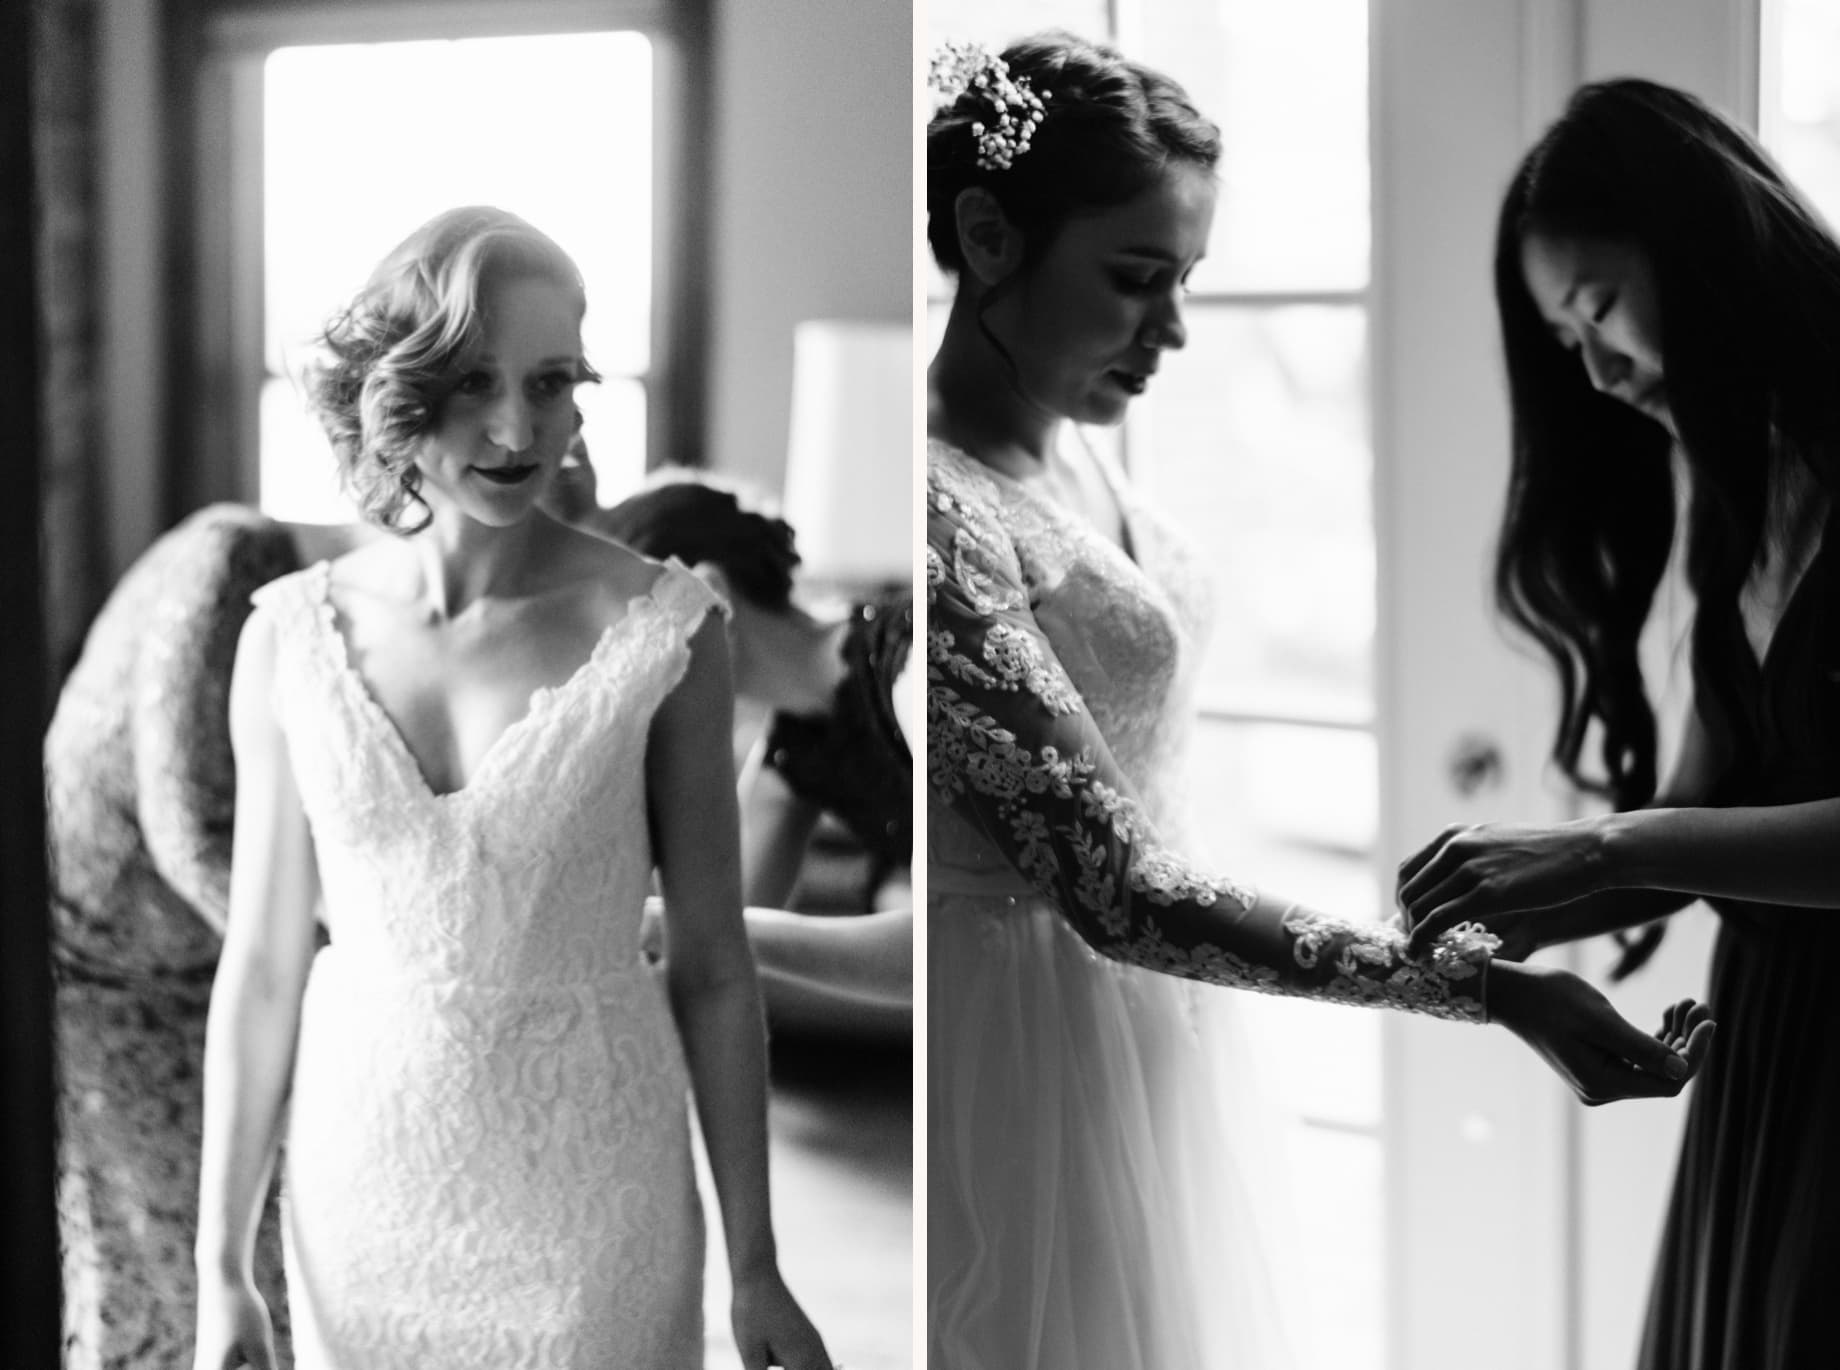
point(690, 784)
point(1013, 750)
point(184, 780)
point(255, 1009)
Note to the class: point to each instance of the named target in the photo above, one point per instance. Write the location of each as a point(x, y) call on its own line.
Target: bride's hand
point(1499, 875)
point(771, 1329)
point(233, 1328)
point(1591, 1047)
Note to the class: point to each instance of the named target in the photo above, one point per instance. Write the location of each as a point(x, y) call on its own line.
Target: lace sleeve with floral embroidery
point(1012, 749)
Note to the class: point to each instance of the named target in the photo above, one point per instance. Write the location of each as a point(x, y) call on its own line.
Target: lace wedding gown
point(1090, 1206)
point(488, 1157)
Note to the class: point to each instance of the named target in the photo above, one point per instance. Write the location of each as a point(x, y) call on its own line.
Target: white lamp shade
point(849, 481)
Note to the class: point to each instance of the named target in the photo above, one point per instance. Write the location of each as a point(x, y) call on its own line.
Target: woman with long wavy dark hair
point(1670, 313)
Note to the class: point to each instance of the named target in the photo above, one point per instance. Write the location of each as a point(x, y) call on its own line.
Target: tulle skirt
point(1097, 1158)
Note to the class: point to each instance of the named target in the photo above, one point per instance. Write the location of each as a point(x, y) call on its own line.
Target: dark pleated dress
point(1749, 1272)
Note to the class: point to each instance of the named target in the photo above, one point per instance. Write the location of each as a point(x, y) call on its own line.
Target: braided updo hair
point(1110, 129)
point(393, 354)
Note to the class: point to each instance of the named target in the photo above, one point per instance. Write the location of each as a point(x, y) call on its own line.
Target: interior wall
point(813, 200)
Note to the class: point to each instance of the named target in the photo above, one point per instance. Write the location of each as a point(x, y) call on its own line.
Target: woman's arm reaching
point(690, 782)
point(1557, 882)
point(864, 959)
point(255, 1013)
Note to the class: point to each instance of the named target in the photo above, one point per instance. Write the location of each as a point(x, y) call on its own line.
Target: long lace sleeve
point(1013, 750)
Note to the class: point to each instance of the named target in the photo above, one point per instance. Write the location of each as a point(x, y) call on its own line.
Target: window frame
point(221, 433)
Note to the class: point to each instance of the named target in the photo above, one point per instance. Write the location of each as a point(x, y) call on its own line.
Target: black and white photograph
point(1312, 516)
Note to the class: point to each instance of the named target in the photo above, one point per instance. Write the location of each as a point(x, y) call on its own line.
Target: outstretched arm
point(1013, 750)
point(864, 959)
point(714, 995)
point(1557, 882)
point(255, 1013)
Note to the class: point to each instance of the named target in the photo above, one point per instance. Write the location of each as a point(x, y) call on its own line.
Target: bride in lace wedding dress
point(474, 742)
point(1087, 1204)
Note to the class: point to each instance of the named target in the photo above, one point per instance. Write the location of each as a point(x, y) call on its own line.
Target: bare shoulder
point(253, 673)
point(611, 574)
point(255, 642)
point(381, 567)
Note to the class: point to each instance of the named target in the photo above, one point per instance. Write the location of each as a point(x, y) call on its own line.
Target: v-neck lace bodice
point(558, 797)
point(390, 734)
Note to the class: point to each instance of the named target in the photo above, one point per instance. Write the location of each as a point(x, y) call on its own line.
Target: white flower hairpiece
point(958, 67)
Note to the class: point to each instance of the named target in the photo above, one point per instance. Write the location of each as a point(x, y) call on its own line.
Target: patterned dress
point(1088, 1207)
point(140, 791)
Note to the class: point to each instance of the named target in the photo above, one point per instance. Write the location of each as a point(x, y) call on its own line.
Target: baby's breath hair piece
point(959, 67)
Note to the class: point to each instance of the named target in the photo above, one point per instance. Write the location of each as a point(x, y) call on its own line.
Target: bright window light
point(364, 143)
point(1807, 114)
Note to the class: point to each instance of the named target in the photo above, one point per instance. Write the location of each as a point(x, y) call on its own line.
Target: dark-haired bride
point(1085, 1208)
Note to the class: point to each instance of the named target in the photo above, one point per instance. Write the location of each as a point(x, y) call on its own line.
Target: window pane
point(1004, 21)
point(1293, 810)
point(556, 129)
point(1289, 807)
point(1339, 1311)
point(299, 479)
point(1287, 83)
point(613, 426)
point(1255, 438)
point(1808, 101)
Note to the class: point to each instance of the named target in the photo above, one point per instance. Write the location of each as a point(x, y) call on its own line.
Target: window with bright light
point(1801, 114)
point(556, 128)
point(1257, 439)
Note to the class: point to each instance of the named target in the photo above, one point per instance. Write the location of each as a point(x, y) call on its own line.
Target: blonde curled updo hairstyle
point(392, 356)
